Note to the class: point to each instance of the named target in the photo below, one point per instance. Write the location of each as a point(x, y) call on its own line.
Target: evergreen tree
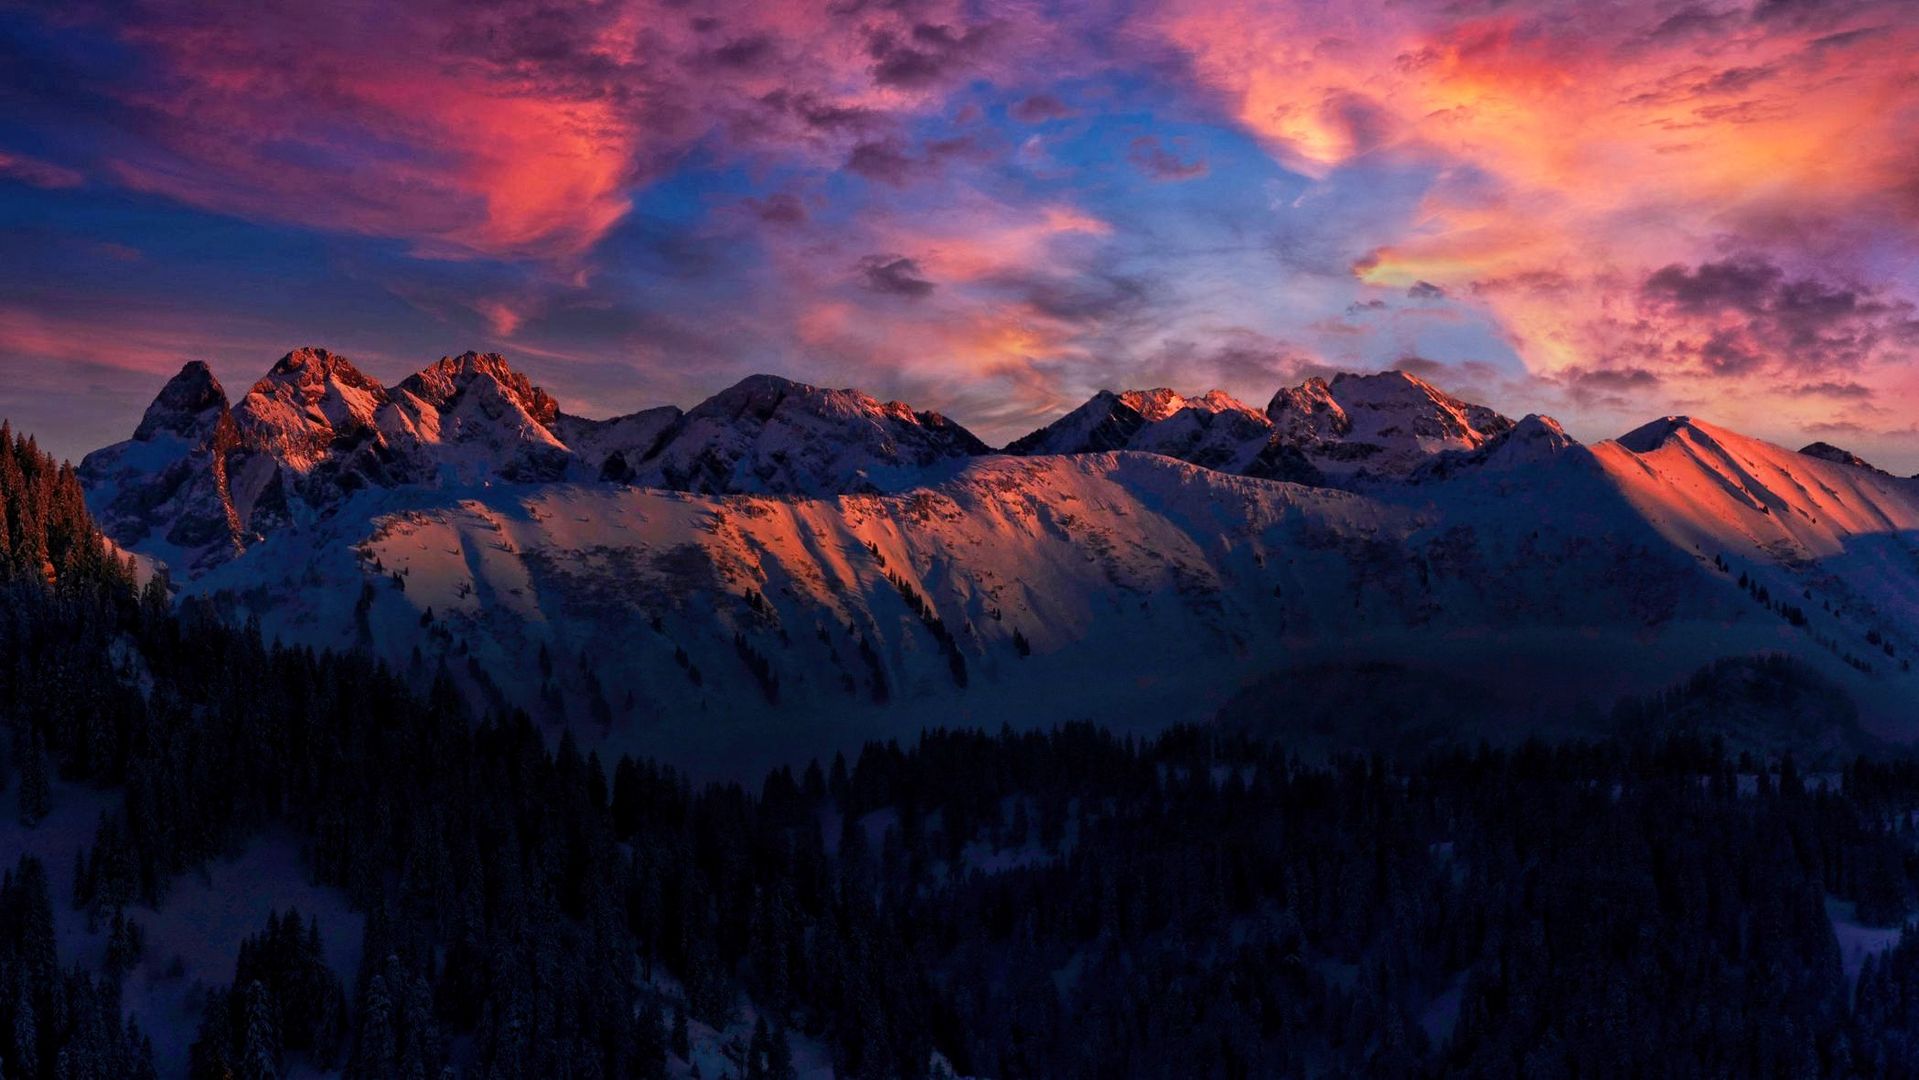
point(260, 1038)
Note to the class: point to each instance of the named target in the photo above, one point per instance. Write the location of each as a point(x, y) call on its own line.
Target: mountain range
point(787, 558)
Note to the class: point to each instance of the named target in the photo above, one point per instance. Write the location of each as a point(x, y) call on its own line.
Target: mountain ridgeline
point(793, 562)
point(204, 477)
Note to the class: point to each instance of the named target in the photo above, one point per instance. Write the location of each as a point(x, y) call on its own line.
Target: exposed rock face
point(1106, 422)
point(187, 405)
point(1308, 413)
point(168, 485)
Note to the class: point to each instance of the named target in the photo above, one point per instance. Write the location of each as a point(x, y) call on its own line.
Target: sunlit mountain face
point(955, 539)
point(1605, 212)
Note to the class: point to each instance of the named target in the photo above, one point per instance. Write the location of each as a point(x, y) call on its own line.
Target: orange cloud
point(1588, 144)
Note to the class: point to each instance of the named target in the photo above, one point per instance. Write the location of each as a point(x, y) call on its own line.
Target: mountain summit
point(771, 435)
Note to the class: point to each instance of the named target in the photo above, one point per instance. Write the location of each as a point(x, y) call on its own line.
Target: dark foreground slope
point(1047, 904)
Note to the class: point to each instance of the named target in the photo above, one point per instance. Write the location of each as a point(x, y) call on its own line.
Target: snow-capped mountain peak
point(1107, 421)
point(1654, 434)
point(1395, 406)
point(1154, 405)
point(164, 492)
point(774, 435)
point(1535, 442)
point(1539, 435)
point(310, 399)
point(440, 382)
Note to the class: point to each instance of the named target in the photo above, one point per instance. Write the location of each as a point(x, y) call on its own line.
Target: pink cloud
point(518, 130)
point(38, 173)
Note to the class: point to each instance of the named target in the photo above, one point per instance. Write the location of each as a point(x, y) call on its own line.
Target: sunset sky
point(1606, 211)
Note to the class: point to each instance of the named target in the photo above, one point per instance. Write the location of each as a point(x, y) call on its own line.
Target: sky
point(1602, 210)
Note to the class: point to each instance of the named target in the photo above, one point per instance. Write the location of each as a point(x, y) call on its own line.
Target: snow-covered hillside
point(873, 570)
point(1834, 546)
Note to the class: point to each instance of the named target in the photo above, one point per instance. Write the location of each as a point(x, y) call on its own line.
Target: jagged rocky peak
point(188, 405)
point(310, 399)
point(1163, 404)
point(1156, 404)
point(1308, 410)
point(1825, 451)
point(315, 370)
point(1382, 426)
point(168, 485)
point(441, 382)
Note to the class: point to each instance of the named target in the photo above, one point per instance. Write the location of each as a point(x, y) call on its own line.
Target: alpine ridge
point(202, 480)
point(786, 551)
point(1353, 429)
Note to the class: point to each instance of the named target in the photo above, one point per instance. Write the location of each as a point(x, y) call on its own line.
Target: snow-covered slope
point(1123, 587)
point(1701, 483)
point(1832, 544)
point(612, 449)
